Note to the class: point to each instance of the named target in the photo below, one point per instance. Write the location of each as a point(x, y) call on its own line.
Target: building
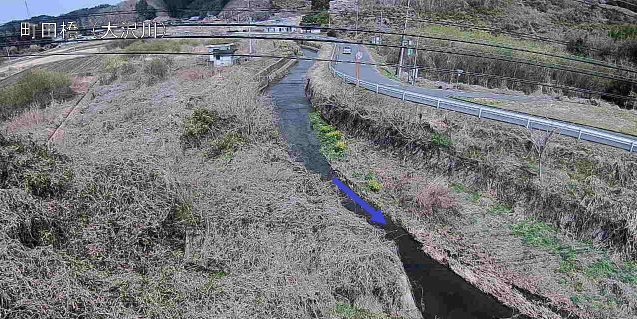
point(221, 54)
point(310, 30)
point(280, 29)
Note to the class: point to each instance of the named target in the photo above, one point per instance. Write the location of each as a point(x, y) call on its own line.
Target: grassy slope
point(562, 21)
point(496, 245)
point(136, 220)
point(607, 117)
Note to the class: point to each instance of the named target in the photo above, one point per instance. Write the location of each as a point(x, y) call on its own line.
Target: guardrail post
point(632, 146)
point(580, 134)
point(438, 105)
point(480, 114)
point(404, 92)
point(376, 88)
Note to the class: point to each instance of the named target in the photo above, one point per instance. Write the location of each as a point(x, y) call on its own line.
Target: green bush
point(578, 47)
point(316, 18)
point(36, 86)
point(154, 46)
point(33, 168)
point(332, 145)
point(623, 32)
point(440, 140)
point(197, 125)
point(374, 185)
point(158, 68)
point(226, 144)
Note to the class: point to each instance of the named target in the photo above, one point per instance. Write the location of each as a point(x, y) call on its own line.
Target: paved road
point(371, 74)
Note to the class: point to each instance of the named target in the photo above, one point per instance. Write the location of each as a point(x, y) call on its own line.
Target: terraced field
point(79, 65)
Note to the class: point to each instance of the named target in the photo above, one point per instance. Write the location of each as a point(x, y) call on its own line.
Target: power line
point(469, 54)
point(518, 34)
point(593, 62)
point(439, 70)
point(587, 61)
point(28, 13)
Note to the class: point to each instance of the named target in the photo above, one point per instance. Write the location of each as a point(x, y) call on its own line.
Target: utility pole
point(250, 35)
point(380, 35)
point(399, 69)
point(6, 36)
point(28, 13)
point(357, 9)
point(415, 71)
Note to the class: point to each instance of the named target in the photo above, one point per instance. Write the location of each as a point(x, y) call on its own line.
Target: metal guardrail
point(528, 121)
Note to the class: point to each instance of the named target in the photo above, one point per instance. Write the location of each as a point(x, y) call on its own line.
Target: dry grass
point(523, 17)
point(578, 193)
point(35, 86)
point(129, 225)
point(35, 115)
point(605, 116)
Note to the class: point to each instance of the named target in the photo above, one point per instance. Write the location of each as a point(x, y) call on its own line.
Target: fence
point(481, 111)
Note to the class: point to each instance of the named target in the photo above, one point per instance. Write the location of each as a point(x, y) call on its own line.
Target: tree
point(320, 4)
point(317, 18)
point(540, 143)
point(144, 11)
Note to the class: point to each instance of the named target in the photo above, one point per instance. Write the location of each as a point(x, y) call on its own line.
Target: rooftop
point(219, 45)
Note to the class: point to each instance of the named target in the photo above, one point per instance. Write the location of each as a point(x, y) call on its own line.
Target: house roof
point(220, 45)
point(281, 26)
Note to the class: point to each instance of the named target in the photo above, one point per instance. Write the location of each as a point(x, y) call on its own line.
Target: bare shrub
point(157, 69)
point(34, 115)
point(245, 103)
point(431, 197)
point(118, 44)
point(195, 73)
point(540, 142)
point(417, 196)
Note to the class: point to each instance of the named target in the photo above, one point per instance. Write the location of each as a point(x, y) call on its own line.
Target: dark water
point(437, 290)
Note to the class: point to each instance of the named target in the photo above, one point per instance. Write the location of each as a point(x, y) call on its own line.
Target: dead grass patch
point(145, 230)
point(34, 116)
point(604, 116)
point(195, 73)
point(580, 195)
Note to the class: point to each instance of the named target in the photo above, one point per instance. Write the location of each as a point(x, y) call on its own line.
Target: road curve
point(368, 72)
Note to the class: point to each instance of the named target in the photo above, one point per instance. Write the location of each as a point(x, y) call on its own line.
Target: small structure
point(310, 28)
point(221, 54)
point(376, 40)
point(280, 29)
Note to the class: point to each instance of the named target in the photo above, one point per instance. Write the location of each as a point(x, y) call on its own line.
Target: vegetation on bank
point(316, 18)
point(141, 227)
point(589, 43)
point(498, 70)
point(37, 87)
point(581, 265)
point(332, 144)
point(587, 190)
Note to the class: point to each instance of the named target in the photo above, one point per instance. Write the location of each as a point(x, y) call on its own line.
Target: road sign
point(359, 55)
